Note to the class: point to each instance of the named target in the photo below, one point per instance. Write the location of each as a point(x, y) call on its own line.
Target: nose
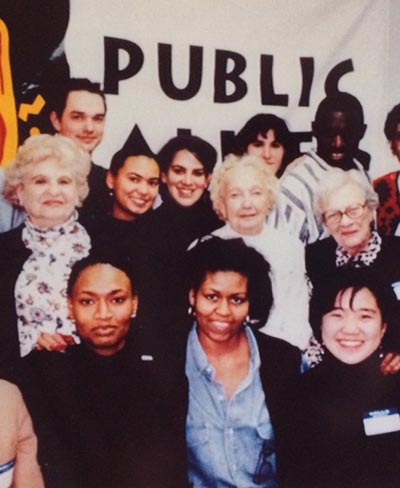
point(89, 126)
point(337, 141)
point(345, 220)
point(223, 308)
point(187, 179)
point(246, 201)
point(102, 310)
point(54, 188)
point(266, 151)
point(350, 326)
point(143, 187)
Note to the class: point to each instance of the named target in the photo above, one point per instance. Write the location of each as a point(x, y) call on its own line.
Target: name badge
point(381, 421)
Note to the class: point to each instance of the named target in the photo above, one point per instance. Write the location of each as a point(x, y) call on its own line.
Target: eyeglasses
point(335, 216)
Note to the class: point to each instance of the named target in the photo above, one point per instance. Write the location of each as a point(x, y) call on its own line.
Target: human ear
point(192, 297)
point(70, 309)
point(110, 180)
point(55, 121)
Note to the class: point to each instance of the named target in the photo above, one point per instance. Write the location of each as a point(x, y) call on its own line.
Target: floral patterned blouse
point(40, 290)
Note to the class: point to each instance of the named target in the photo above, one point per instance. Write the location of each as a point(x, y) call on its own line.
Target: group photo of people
point(194, 315)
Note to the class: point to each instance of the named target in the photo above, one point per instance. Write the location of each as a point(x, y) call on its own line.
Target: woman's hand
point(54, 342)
point(390, 363)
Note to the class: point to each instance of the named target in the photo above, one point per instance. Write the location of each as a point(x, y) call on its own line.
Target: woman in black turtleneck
point(343, 426)
point(186, 213)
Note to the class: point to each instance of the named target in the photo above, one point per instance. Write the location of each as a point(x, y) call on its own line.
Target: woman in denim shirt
point(238, 378)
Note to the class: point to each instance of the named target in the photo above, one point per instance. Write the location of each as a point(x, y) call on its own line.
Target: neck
point(222, 348)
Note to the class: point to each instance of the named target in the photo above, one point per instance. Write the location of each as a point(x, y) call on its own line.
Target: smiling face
point(186, 179)
point(337, 139)
point(48, 193)
point(352, 233)
point(102, 304)
point(135, 187)
point(269, 149)
point(82, 120)
point(221, 306)
point(245, 203)
point(353, 329)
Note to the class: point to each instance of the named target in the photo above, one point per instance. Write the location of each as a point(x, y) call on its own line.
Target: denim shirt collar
point(203, 366)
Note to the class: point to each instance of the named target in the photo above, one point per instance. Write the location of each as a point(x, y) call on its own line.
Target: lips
point(350, 343)
point(220, 325)
point(53, 203)
point(139, 202)
point(337, 156)
point(104, 331)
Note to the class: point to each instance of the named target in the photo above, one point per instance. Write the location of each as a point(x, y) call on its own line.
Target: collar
point(364, 258)
point(200, 360)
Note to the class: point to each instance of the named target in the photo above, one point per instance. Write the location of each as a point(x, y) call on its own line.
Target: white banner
point(209, 65)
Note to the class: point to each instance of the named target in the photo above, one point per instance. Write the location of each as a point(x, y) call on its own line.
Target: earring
point(133, 315)
point(190, 311)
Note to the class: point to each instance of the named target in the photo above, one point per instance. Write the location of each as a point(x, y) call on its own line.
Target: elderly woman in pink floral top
point(48, 179)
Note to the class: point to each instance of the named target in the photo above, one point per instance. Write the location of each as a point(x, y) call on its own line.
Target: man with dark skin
point(338, 128)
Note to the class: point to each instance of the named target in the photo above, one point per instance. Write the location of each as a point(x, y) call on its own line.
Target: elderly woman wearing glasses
point(346, 207)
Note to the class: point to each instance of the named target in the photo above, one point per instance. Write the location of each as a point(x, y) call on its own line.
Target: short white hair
point(62, 150)
point(336, 178)
point(243, 163)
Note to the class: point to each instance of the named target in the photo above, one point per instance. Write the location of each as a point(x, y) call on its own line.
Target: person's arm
point(390, 363)
point(27, 472)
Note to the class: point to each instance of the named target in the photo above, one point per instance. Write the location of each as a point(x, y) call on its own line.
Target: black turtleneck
point(327, 445)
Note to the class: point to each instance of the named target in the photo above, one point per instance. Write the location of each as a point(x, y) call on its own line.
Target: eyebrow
point(152, 178)
point(93, 293)
point(79, 112)
point(361, 309)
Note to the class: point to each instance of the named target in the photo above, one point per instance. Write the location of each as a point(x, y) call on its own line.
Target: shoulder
point(388, 178)
point(322, 248)
point(390, 244)
point(12, 246)
point(9, 391)
point(273, 350)
point(96, 170)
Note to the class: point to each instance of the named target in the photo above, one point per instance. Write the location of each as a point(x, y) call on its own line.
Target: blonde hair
point(336, 178)
point(265, 177)
point(36, 149)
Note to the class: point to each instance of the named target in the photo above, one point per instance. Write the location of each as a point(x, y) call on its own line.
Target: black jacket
point(110, 422)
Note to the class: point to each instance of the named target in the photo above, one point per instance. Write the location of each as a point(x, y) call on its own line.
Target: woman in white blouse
point(243, 191)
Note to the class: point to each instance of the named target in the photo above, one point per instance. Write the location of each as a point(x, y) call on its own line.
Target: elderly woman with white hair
point(47, 179)
point(345, 204)
point(244, 191)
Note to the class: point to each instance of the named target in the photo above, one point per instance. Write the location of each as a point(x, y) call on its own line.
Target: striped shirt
point(294, 211)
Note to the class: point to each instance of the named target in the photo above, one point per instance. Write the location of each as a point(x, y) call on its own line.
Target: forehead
point(362, 299)
point(242, 177)
point(268, 136)
point(84, 101)
point(347, 195)
point(187, 160)
point(227, 281)
point(141, 165)
point(48, 167)
point(336, 120)
point(101, 279)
